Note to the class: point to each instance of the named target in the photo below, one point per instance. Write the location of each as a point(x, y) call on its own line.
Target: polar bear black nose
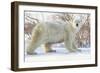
point(77, 24)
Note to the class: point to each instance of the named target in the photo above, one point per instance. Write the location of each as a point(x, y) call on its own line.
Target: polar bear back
point(54, 31)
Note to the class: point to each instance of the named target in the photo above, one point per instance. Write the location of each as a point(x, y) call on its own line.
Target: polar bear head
point(80, 20)
point(76, 20)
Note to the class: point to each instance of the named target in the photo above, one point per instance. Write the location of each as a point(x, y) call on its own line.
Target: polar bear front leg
point(69, 42)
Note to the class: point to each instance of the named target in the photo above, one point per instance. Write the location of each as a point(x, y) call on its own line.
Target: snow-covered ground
point(61, 54)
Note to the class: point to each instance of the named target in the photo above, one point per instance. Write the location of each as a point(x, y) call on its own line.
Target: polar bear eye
point(77, 24)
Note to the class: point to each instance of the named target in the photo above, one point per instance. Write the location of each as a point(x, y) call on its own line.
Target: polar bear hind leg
point(47, 47)
point(35, 41)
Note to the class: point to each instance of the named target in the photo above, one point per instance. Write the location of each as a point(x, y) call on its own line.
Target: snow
point(61, 54)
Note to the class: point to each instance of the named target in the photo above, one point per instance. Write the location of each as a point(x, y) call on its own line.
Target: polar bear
point(48, 33)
